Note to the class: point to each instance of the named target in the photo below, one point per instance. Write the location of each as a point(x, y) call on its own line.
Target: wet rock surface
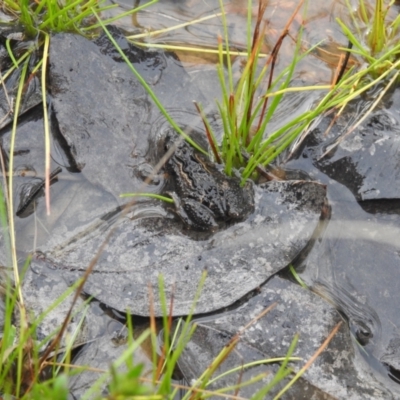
point(354, 265)
point(98, 354)
point(364, 160)
point(29, 155)
point(96, 334)
point(74, 200)
point(333, 375)
point(38, 290)
point(358, 275)
point(32, 95)
point(237, 259)
point(101, 114)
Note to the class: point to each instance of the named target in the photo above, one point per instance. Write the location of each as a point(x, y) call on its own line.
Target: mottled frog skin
point(205, 198)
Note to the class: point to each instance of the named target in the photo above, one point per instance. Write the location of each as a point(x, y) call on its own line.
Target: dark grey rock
point(365, 160)
point(335, 374)
point(144, 246)
point(99, 354)
point(41, 292)
point(32, 94)
point(74, 201)
point(29, 154)
point(103, 115)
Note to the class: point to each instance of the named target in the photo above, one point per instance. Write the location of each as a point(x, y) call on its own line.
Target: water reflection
point(355, 263)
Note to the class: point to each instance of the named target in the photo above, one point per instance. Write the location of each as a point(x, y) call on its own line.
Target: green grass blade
point(184, 337)
point(10, 180)
point(250, 365)
point(54, 14)
point(226, 38)
point(15, 6)
point(94, 389)
point(10, 53)
point(297, 277)
point(281, 374)
point(151, 195)
point(40, 7)
point(353, 39)
point(377, 36)
point(363, 10)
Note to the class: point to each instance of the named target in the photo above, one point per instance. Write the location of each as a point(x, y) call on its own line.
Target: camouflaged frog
point(205, 198)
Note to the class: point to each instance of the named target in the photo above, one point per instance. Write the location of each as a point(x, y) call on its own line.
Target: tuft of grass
point(375, 34)
point(246, 143)
point(244, 113)
point(77, 16)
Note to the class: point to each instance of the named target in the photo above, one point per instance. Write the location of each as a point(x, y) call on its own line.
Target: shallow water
point(356, 259)
point(355, 263)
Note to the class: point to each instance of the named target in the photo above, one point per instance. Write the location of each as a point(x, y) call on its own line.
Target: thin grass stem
point(10, 182)
point(172, 28)
point(116, 364)
point(10, 53)
point(200, 50)
point(46, 122)
point(312, 359)
point(226, 38)
point(152, 195)
point(250, 365)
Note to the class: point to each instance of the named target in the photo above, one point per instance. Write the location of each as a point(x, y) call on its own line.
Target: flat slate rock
point(100, 338)
point(43, 291)
point(145, 244)
point(333, 375)
point(74, 200)
point(101, 113)
point(29, 155)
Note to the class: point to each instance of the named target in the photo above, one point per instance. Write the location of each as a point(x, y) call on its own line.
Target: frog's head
point(176, 144)
point(171, 139)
